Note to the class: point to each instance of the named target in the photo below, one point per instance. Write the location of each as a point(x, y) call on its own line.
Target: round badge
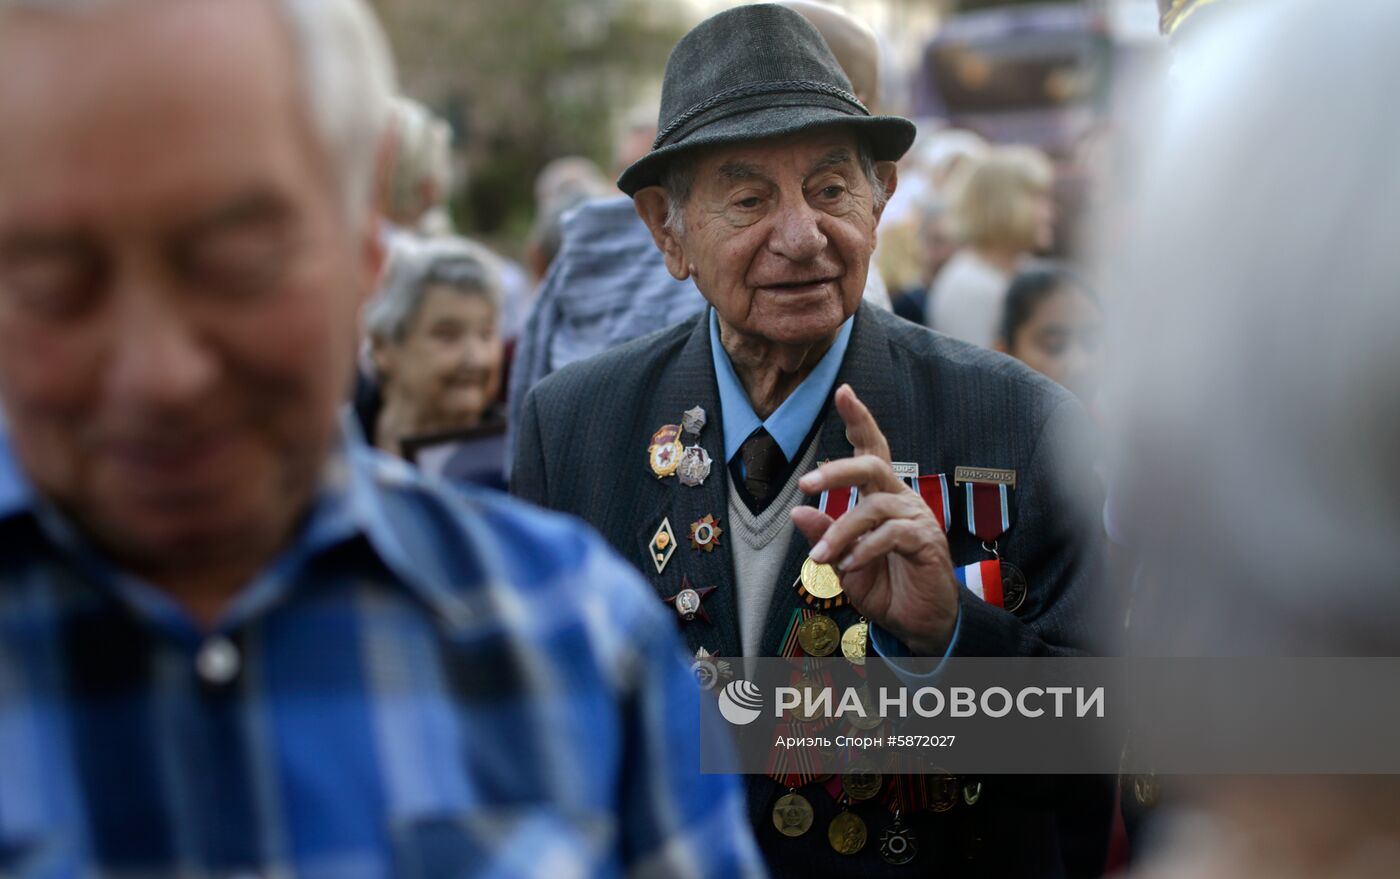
point(871, 718)
point(807, 709)
point(946, 793)
point(1013, 587)
point(847, 833)
point(820, 581)
point(792, 815)
point(688, 603)
point(818, 636)
point(862, 785)
point(853, 642)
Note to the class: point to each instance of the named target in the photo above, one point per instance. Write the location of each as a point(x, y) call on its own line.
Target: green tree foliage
point(526, 81)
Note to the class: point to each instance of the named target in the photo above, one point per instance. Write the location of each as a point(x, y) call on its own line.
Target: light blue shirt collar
point(792, 421)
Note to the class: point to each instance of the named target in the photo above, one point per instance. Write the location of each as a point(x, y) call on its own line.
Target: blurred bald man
point(852, 42)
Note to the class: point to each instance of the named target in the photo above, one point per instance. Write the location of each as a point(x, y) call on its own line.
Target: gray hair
point(679, 176)
point(415, 267)
point(347, 81)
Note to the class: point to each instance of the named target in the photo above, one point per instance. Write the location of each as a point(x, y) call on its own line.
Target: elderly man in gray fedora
point(718, 454)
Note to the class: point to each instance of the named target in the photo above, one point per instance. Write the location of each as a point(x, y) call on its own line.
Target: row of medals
point(793, 814)
point(847, 833)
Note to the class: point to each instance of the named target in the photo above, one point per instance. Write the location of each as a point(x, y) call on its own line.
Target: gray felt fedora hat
point(750, 73)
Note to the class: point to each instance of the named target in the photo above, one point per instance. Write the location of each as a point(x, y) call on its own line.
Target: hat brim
point(887, 137)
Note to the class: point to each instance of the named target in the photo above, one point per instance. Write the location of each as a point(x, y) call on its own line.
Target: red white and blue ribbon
point(983, 579)
point(988, 510)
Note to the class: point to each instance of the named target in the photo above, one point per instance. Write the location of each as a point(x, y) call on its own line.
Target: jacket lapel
point(689, 382)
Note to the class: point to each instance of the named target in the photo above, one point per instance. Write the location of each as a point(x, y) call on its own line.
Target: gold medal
point(847, 833)
point(792, 815)
point(853, 642)
point(860, 785)
point(820, 581)
point(818, 636)
point(809, 690)
point(872, 716)
point(664, 453)
point(946, 792)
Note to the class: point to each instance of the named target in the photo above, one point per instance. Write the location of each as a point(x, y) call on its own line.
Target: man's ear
point(651, 205)
point(374, 254)
point(888, 174)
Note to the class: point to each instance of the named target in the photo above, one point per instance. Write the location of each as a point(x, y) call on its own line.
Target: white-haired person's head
point(434, 339)
point(417, 166)
point(347, 78)
point(186, 243)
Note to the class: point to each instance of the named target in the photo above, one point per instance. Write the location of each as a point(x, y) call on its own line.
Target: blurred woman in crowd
point(1002, 210)
point(1052, 323)
point(434, 344)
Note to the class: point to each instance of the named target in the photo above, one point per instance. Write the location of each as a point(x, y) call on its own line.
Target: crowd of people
point(284, 584)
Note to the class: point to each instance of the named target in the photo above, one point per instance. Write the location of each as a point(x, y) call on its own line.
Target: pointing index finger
point(862, 431)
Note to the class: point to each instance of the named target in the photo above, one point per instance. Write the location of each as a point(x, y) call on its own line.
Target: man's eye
point(238, 260)
point(833, 191)
point(61, 282)
point(749, 203)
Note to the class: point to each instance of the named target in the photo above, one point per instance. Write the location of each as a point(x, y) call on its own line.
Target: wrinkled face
point(778, 235)
point(447, 366)
point(179, 286)
point(1061, 341)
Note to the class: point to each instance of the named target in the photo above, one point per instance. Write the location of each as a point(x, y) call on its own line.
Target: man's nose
point(797, 232)
point(160, 358)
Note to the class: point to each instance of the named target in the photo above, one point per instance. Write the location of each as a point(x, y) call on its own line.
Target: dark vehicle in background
point(1029, 73)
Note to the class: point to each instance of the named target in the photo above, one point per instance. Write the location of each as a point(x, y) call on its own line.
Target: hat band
point(752, 90)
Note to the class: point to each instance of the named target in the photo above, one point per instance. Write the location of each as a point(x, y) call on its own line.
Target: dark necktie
point(764, 464)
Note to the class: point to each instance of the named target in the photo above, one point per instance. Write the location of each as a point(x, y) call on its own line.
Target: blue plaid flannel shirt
point(425, 683)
